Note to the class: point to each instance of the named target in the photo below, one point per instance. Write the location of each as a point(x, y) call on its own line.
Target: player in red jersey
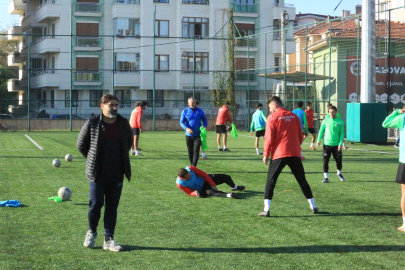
point(223, 117)
point(283, 140)
point(310, 121)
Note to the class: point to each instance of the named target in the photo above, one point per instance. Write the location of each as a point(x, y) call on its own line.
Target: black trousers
point(337, 156)
point(218, 179)
point(111, 191)
point(193, 146)
point(275, 168)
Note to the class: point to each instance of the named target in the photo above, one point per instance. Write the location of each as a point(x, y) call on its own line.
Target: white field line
point(356, 149)
point(17, 149)
point(34, 142)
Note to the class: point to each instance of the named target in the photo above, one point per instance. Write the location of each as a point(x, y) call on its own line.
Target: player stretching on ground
point(222, 118)
point(396, 120)
point(283, 140)
point(136, 125)
point(191, 120)
point(197, 183)
point(303, 121)
point(259, 125)
point(310, 120)
point(334, 130)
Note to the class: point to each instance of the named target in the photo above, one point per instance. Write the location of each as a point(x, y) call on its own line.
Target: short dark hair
point(143, 103)
point(300, 104)
point(197, 103)
point(329, 105)
point(333, 108)
point(138, 104)
point(107, 98)
point(228, 103)
point(275, 99)
point(182, 172)
point(259, 105)
point(309, 103)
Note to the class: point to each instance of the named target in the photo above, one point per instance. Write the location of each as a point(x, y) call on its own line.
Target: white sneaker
point(90, 239)
point(112, 245)
point(138, 154)
point(133, 152)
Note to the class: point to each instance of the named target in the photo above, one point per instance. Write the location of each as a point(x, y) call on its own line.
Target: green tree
point(6, 47)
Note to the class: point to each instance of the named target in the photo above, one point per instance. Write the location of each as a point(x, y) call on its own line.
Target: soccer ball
point(69, 158)
point(56, 162)
point(64, 193)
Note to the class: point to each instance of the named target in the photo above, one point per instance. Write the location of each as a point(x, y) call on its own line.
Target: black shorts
point(311, 131)
point(220, 129)
point(135, 131)
point(260, 133)
point(400, 174)
point(328, 150)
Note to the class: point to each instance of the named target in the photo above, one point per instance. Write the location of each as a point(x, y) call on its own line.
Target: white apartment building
point(397, 13)
point(93, 47)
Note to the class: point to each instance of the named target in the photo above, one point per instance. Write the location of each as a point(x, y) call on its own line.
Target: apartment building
point(131, 47)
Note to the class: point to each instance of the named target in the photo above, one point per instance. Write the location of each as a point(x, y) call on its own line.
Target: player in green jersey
point(334, 130)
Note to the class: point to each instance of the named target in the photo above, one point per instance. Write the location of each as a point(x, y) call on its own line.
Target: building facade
point(73, 52)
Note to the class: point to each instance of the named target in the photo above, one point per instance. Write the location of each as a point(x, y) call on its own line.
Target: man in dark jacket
point(105, 141)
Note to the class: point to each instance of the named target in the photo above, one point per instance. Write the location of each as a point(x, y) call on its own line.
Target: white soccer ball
point(56, 162)
point(69, 158)
point(64, 193)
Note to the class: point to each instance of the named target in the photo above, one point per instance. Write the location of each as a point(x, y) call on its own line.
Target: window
point(75, 98)
point(159, 98)
point(87, 34)
point(87, 69)
point(161, 28)
point(195, 27)
point(95, 97)
point(43, 101)
point(201, 2)
point(254, 98)
point(36, 66)
point(124, 96)
point(160, 1)
point(162, 63)
point(276, 28)
point(276, 64)
point(200, 64)
point(52, 98)
point(127, 62)
point(126, 27)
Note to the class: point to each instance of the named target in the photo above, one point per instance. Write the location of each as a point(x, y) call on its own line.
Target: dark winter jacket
point(89, 143)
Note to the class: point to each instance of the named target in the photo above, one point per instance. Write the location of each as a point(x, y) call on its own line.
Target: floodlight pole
point(368, 52)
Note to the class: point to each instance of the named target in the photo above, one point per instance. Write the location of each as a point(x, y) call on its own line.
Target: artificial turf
point(161, 227)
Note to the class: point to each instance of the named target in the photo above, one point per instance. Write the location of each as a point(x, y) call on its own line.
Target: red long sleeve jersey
point(136, 117)
point(195, 183)
point(283, 135)
point(223, 116)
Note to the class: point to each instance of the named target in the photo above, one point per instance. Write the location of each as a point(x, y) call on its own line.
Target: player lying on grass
point(196, 182)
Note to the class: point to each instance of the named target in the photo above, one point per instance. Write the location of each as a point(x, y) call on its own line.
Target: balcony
point(245, 8)
point(197, 2)
point(88, 44)
point(16, 7)
point(126, 8)
point(49, 78)
point(14, 85)
point(15, 33)
point(27, 20)
point(242, 44)
point(127, 2)
point(49, 9)
point(87, 78)
point(49, 44)
point(283, 5)
point(87, 9)
point(15, 59)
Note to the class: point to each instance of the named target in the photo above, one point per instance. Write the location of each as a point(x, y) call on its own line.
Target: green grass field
point(161, 227)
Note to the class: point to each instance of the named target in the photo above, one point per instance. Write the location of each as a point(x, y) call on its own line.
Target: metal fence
point(57, 76)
